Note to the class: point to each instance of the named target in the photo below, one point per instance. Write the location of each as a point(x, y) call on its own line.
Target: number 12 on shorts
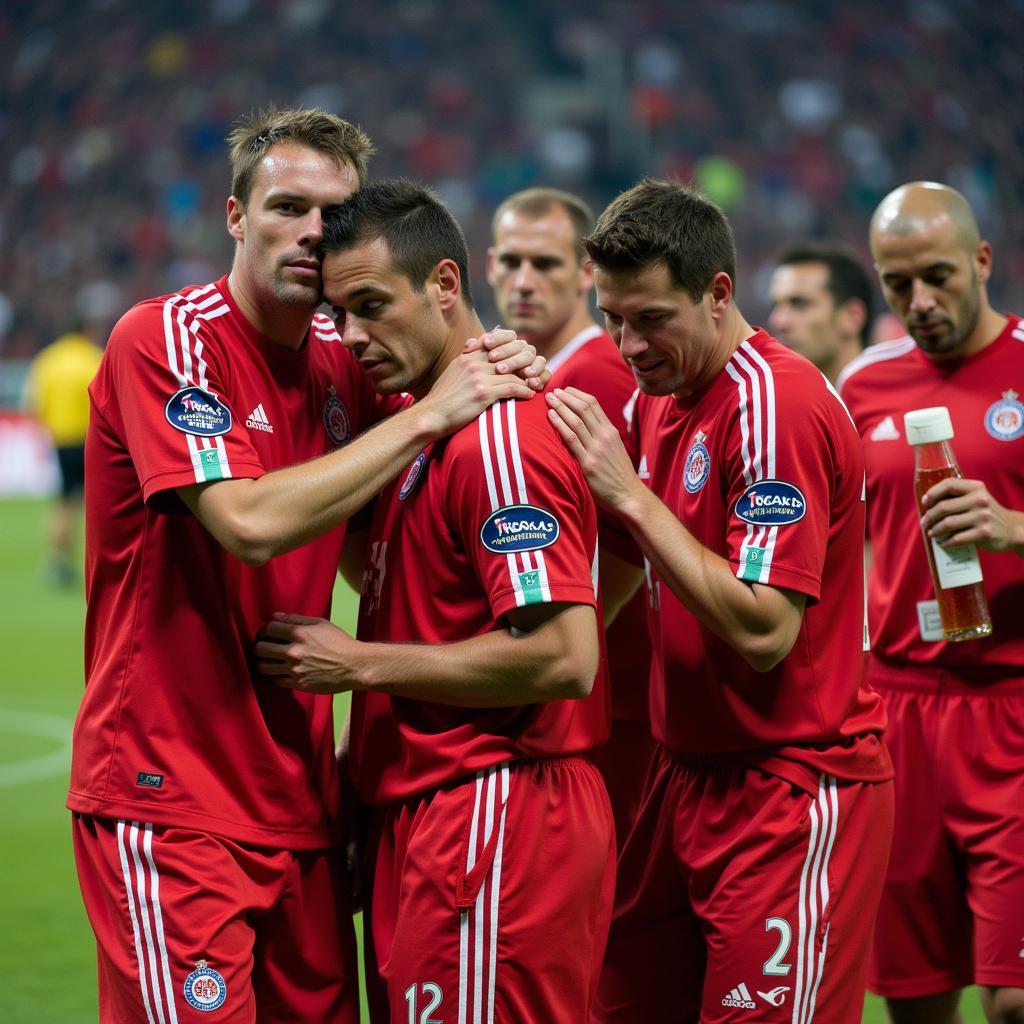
point(429, 992)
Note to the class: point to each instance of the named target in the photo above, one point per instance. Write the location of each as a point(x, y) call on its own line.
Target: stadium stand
point(796, 117)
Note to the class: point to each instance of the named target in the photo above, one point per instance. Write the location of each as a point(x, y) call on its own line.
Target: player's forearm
point(497, 669)
point(282, 510)
point(1017, 533)
point(620, 580)
point(750, 618)
point(344, 737)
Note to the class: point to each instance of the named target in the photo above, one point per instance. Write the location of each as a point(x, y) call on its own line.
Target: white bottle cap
point(926, 426)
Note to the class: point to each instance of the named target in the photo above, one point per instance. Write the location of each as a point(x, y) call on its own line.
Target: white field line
point(36, 723)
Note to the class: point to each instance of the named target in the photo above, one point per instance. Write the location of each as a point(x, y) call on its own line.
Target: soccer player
point(542, 281)
point(821, 305)
point(205, 801)
point(57, 393)
point(492, 848)
point(951, 908)
point(750, 879)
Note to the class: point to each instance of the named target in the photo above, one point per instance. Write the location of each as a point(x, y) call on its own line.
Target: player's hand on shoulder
point(469, 385)
point(596, 444)
point(511, 354)
point(964, 512)
point(308, 654)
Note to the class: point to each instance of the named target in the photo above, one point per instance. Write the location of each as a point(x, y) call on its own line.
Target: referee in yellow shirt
point(56, 392)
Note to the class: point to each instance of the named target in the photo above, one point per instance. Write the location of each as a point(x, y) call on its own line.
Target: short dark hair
point(847, 278)
point(665, 222)
point(416, 226)
point(254, 134)
point(536, 202)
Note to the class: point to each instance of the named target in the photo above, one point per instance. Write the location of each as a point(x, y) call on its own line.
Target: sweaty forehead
point(299, 170)
point(927, 245)
point(630, 291)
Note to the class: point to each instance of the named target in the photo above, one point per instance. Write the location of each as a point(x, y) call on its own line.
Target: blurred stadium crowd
point(795, 116)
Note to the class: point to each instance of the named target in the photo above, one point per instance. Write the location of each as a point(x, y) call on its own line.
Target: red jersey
point(495, 517)
point(984, 395)
point(591, 362)
point(173, 728)
point(764, 468)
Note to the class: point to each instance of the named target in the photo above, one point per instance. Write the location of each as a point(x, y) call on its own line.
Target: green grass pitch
point(47, 956)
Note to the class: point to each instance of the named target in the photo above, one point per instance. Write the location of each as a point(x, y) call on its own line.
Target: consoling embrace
point(245, 447)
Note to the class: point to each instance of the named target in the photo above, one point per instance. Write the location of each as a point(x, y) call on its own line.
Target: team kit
point(621, 691)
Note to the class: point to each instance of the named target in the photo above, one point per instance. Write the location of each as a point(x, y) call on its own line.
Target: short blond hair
point(534, 203)
point(254, 134)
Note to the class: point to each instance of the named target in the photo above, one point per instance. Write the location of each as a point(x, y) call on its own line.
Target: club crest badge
point(205, 988)
point(195, 411)
point(698, 464)
point(336, 421)
point(1004, 420)
point(413, 476)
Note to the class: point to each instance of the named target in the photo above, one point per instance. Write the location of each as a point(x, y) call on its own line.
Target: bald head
point(922, 207)
point(933, 267)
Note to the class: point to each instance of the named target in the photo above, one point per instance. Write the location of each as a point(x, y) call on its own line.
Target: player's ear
point(492, 256)
point(448, 281)
point(720, 291)
point(586, 275)
point(983, 261)
point(235, 216)
point(853, 315)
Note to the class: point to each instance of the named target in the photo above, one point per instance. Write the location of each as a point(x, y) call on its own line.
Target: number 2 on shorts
point(774, 964)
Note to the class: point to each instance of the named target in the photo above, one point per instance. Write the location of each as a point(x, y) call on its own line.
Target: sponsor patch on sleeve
point(771, 503)
point(195, 411)
point(519, 528)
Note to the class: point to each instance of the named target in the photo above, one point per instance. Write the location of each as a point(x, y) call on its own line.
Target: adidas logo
point(258, 420)
point(885, 431)
point(642, 472)
point(740, 996)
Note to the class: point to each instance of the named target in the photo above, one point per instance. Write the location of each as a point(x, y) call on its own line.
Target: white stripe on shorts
point(814, 898)
point(145, 911)
point(478, 926)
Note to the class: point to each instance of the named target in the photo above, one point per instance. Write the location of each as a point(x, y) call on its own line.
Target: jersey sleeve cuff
point(153, 487)
point(524, 594)
point(781, 576)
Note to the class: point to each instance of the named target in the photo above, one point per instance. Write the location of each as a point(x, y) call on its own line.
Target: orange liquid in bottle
point(963, 610)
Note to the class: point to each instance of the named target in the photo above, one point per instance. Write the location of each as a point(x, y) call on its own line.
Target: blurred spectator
point(113, 116)
point(56, 392)
point(821, 305)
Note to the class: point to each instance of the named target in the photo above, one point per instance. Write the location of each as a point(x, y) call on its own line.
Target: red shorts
point(623, 762)
point(957, 871)
point(743, 898)
point(491, 898)
point(188, 923)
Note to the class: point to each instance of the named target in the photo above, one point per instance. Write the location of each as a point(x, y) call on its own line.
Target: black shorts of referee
point(71, 460)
